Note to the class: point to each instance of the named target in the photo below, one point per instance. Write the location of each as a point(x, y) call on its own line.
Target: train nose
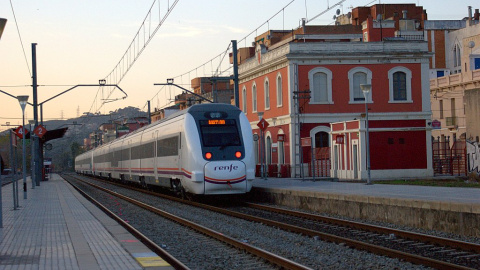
point(226, 177)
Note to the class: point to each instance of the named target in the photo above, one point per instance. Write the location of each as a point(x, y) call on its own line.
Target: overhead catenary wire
point(20, 37)
point(222, 55)
point(136, 47)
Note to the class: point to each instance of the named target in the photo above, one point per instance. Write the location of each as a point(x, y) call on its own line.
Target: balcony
point(410, 35)
point(459, 80)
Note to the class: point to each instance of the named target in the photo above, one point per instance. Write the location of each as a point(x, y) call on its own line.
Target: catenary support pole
point(37, 158)
point(235, 74)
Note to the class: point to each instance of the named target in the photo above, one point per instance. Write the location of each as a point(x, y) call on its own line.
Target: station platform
point(57, 228)
point(452, 210)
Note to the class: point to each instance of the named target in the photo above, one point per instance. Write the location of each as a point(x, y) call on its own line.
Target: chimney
point(404, 14)
point(469, 15)
point(304, 20)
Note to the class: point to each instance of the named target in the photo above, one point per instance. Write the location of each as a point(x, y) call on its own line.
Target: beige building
point(455, 82)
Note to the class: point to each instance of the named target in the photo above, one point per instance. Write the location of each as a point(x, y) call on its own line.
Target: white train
point(206, 149)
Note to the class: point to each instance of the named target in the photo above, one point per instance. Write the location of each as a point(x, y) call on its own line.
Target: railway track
point(436, 252)
point(239, 250)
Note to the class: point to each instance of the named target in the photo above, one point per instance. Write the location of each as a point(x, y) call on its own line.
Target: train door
point(129, 159)
point(179, 158)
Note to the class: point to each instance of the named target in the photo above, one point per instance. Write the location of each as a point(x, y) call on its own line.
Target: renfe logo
point(226, 168)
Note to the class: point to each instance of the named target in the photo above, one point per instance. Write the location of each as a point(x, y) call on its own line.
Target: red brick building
point(306, 83)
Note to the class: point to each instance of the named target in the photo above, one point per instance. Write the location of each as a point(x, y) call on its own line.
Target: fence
point(449, 160)
point(321, 163)
point(275, 170)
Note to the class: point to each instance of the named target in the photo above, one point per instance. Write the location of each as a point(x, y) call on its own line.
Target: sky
point(81, 42)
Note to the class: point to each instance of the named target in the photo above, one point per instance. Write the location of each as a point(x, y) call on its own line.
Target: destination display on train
point(216, 122)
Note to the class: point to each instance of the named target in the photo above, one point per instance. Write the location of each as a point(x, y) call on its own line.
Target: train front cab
point(224, 148)
point(227, 177)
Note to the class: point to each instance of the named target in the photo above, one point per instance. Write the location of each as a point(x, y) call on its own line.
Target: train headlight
point(238, 154)
point(208, 155)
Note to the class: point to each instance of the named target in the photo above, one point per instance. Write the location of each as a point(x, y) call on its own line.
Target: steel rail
point(145, 240)
point(271, 257)
point(329, 237)
point(338, 239)
point(466, 246)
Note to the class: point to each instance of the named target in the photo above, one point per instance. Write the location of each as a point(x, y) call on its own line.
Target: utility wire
point(224, 53)
point(136, 48)
point(20, 36)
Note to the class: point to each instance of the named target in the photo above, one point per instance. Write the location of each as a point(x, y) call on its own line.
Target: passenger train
point(206, 149)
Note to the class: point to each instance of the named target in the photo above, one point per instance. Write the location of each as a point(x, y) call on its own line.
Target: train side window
point(168, 147)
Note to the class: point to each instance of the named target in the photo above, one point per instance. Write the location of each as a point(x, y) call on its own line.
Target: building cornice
point(334, 53)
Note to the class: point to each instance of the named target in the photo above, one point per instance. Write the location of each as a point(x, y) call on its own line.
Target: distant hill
point(78, 129)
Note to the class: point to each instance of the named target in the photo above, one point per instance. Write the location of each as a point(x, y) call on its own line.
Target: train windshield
point(220, 132)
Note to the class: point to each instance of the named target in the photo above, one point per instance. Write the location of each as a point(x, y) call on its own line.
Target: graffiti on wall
point(473, 153)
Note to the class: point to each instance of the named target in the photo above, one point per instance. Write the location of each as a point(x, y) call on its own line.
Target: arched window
point(322, 139)
point(268, 149)
point(455, 56)
point(356, 77)
point(281, 152)
point(244, 99)
point(267, 94)
point(254, 98)
point(279, 91)
point(320, 93)
point(320, 136)
point(400, 85)
point(459, 57)
point(320, 85)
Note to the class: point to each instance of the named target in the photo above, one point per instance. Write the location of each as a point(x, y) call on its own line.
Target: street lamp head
point(366, 88)
point(23, 101)
point(31, 122)
point(260, 115)
point(2, 25)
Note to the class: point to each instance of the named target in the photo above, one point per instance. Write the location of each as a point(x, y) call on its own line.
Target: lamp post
point(23, 102)
point(366, 88)
point(32, 145)
point(262, 150)
point(2, 26)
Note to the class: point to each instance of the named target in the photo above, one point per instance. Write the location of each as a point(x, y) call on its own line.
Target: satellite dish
point(471, 44)
point(349, 15)
point(338, 12)
point(334, 17)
